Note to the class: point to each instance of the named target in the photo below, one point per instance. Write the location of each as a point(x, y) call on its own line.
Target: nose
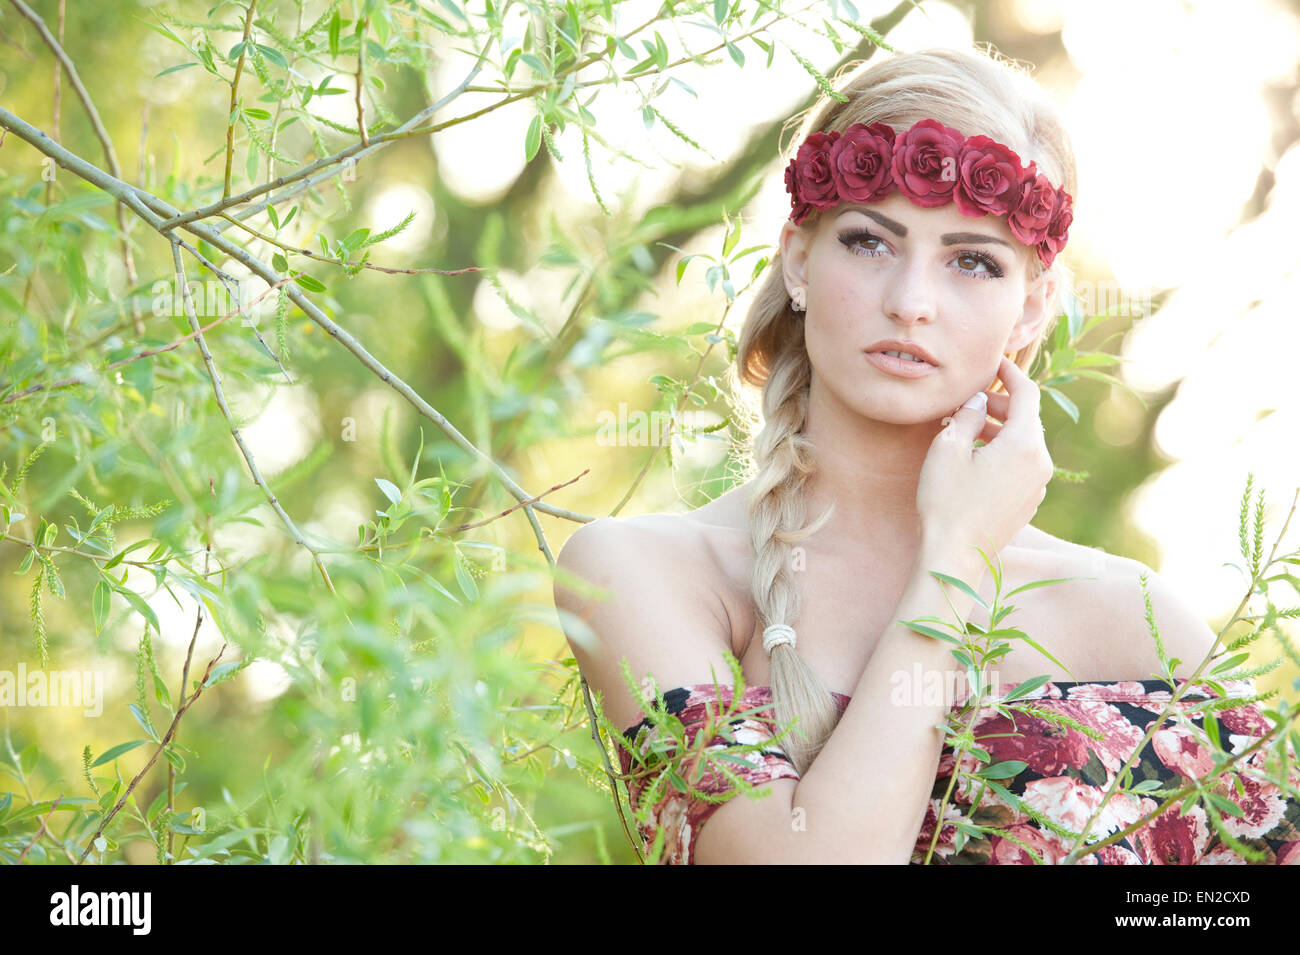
point(909, 296)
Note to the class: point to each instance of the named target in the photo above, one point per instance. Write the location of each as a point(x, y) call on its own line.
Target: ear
point(794, 255)
point(1035, 314)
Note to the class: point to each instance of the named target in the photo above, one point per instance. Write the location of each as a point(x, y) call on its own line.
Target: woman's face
point(955, 286)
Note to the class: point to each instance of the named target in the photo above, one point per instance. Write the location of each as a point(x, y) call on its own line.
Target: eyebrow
point(950, 238)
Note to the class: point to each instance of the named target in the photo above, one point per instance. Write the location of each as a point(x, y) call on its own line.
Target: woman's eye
point(861, 242)
point(971, 262)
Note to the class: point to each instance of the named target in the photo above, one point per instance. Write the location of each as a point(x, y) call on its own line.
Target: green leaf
point(1231, 663)
point(390, 490)
point(962, 586)
point(1226, 805)
point(116, 751)
point(175, 758)
point(173, 69)
point(142, 607)
point(464, 578)
point(355, 238)
point(930, 632)
point(160, 692)
point(1003, 770)
point(309, 283)
point(1041, 583)
point(1068, 406)
point(336, 27)
point(223, 672)
point(99, 605)
point(733, 236)
point(144, 723)
point(1027, 687)
point(533, 139)
point(274, 55)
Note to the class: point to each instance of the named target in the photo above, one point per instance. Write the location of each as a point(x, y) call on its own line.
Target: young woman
point(927, 212)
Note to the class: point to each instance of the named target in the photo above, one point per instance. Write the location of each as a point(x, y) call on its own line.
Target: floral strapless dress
point(1025, 819)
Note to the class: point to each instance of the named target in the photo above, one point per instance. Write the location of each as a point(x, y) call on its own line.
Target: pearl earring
point(797, 301)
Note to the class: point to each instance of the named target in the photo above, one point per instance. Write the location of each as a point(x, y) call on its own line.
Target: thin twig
point(284, 246)
point(101, 133)
point(39, 832)
point(495, 517)
point(215, 378)
point(166, 741)
point(361, 78)
point(234, 99)
point(149, 353)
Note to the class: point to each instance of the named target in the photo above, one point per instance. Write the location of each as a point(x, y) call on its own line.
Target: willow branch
point(166, 741)
point(303, 178)
point(101, 134)
point(234, 99)
point(294, 250)
point(39, 832)
point(215, 378)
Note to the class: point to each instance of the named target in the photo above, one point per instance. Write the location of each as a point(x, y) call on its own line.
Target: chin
point(905, 413)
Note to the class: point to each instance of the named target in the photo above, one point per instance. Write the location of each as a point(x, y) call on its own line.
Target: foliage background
point(428, 710)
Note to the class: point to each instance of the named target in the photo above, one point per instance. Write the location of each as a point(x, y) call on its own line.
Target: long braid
point(783, 461)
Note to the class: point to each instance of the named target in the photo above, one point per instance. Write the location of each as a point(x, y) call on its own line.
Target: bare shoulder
point(648, 602)
point(1109, 607)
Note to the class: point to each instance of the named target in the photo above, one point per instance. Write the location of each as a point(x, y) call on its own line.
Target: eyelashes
point(851, 237)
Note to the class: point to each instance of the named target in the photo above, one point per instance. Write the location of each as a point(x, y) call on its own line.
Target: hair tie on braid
point(777, 634)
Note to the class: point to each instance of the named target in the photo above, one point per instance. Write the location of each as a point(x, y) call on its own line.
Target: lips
point(899, 367)
point(899, 345)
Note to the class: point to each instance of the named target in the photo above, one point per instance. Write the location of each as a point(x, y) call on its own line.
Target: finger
point(991, 429)
point(966, 423)
point(997, 404)
point(1023, 404)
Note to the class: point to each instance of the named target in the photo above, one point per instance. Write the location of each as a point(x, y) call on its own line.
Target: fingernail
point(977, 401)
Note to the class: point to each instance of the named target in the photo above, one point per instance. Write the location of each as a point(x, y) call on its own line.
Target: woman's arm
point(660, 613)
point(863, 799)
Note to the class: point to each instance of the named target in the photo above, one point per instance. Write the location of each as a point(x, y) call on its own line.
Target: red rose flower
point(1032, 213)
point(924, 164)
point(1116, 855)
point(1263, 807)
point(1172, 839)
point(988, 178)
point(813, 171)
point(1058, 229)
point(860, 161)
point(1049, 749)
point(1050, 847)
point(947, 843)
point(1179, 750)
point(798, 208)
point(1248, 720)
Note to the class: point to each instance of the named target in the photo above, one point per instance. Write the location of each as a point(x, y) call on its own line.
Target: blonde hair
point(971, 90)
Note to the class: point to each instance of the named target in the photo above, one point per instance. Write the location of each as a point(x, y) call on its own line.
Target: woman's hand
point(982, 497)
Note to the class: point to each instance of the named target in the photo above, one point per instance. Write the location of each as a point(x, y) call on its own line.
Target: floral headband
point(931, 165)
